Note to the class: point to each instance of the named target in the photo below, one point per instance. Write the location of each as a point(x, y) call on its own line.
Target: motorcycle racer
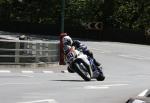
point(68, 43)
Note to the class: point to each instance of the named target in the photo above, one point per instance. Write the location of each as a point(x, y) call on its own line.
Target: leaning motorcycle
point(84, 65)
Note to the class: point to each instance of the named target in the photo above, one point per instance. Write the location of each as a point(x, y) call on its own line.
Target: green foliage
point(130, 14)
point(2, 1)
point(32, 11)
point(84, 10)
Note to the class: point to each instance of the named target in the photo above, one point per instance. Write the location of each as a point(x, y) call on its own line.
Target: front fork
point(96, 70)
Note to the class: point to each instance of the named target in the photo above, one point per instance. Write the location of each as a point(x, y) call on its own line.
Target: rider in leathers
point(68, 42)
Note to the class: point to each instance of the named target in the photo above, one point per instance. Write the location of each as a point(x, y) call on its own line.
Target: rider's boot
point(70, 70)
point(98, 71)
point(96, 62)
point(95, 74)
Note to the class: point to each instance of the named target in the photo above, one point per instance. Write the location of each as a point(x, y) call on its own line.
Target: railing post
point(30, 48)
point(37, 52)
point(17, 52)
point(49, 52)
point(43, 48)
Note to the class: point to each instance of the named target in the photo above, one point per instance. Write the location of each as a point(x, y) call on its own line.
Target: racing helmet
point(67, 40)
point(67, 49)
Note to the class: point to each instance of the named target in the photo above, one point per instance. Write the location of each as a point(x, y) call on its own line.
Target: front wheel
point(82, 71)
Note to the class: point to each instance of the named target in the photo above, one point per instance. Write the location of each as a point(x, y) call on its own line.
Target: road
point(126, 67)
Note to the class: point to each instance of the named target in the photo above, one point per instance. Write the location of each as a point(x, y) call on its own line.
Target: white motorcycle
point(84, 65)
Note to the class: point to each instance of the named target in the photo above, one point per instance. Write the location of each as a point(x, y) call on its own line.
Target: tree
point(79, 11)
point(131, 14)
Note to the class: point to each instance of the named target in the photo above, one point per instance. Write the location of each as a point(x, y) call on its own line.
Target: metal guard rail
point(21, 51)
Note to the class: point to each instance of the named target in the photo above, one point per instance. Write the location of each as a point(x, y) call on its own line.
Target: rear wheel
point(101, 76)
point(82, 71)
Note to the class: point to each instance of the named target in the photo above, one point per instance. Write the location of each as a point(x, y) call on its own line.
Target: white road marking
point(40, 101)
point(5, 71)
point(143, 93)
point(117, 81)
point(64, 71)
point(134, 57)
point(48, 72)
point(110, 85)
point(4, 84)
point(138, 101)
point(27, 76)
point(103, 86)
point(95, 87)
point(27, 72)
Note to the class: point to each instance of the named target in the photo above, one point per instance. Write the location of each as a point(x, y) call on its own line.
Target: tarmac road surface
point(126, 67)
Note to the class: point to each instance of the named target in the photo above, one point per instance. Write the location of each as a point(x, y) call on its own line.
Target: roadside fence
point(25, 51)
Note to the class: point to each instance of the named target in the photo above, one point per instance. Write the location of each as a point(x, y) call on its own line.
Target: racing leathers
point(81, 47)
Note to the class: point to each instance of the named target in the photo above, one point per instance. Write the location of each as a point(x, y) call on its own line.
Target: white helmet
point(67, 40)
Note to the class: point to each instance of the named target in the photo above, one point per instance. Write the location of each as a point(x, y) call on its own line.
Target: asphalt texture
point(126, 67)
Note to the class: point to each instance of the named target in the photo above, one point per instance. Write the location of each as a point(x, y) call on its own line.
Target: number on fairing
point(70, 56)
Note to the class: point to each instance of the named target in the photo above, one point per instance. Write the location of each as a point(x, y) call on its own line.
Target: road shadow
point(72, 80)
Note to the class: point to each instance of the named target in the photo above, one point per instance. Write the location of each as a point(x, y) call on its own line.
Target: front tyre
point(82, 71)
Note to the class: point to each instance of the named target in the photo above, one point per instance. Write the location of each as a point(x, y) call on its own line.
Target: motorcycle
point(84, 66)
